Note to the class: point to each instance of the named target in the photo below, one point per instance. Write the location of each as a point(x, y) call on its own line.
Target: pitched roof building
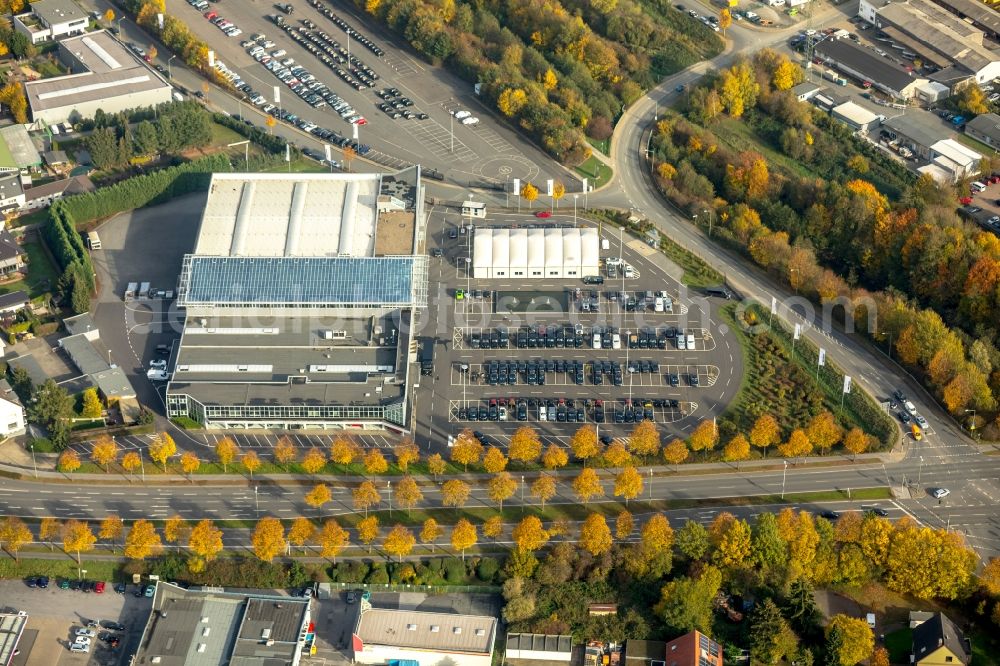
point(985, 128)
point(939, 641)
point(693, 649)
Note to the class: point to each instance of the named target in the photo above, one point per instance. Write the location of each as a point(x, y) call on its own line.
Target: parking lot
point(337, 51)
point(983, 207)
point(55, 615)
point(559, 353)
point(145, 245)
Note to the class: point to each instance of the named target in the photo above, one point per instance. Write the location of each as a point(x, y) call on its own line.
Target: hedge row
point(148, 189)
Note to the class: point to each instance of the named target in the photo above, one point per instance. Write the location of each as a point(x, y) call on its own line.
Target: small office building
point(12, 420)
point(51, 19)
point(856, 116)
point(473, 209)
point(955, 158)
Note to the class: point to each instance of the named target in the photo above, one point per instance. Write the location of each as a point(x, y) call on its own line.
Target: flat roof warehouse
point(102, 68)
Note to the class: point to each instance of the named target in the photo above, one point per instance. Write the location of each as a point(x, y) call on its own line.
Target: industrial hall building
point(298, 299)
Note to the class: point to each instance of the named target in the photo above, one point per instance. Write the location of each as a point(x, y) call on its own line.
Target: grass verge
point(596, 172)
point(67, 568)
point(696, 272)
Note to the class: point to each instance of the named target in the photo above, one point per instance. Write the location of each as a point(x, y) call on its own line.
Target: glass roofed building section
point(364, 282)
point(298, 298)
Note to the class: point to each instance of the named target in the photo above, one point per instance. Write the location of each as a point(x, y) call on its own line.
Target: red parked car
point(99, 587)
point(543, 214)
point(965, 201)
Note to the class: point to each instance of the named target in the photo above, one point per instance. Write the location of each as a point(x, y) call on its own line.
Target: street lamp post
point(256, 501)
point(575, 197)
point(31, 447)
point(246, 150)
point(973, 426)
point(783, 472)
point(889, 346)
point(920, 470)
point(168, 65)
point(650, 484)
point(120, 27)
point(522, 492)
point(388, 485)
point(468, 275)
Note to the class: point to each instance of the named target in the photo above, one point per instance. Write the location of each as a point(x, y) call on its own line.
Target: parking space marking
point(403, 65)
point(438, 139)
point(493, 140)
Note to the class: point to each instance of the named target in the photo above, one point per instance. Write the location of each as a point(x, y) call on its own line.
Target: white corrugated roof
point(536, 248)
point(518, 249)
point(482, 249)
point(440, 632)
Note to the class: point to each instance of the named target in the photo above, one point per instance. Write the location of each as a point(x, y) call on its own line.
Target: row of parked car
point(357, 74)
point(223, 24)
point(609, 337)
point(564, 410)
point(346, 27)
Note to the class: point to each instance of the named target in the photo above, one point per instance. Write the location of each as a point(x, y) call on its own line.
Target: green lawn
point(603, 146)
point(42, 274)
point(6, 159)
point(985, 650)
point(978, 146)
point(299, 165)
point(899, 643)
point(96, 569)
point(34, 217)
point(596, 172)
point(222, 135)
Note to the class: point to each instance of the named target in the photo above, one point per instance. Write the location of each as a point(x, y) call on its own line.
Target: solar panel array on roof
point(298, 280)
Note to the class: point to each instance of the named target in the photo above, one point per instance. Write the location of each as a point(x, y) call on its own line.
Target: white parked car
point(616, 341)
point(155, 375)
point(681, 342)
point(910, 407)
point(690, 341)
point(471, 120)
point(461, 114)
point(85, 633)
point(158, 364)
point(940, 493)
point(80, 647)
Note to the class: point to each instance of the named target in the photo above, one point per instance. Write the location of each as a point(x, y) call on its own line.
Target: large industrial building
point(215, 628)
point(935, 35)
point(551, 252)
point(431, 639)
point(298, 299)
point(105, 75)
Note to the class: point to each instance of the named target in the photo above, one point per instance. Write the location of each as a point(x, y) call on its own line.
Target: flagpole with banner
point(821, 361)
point(795, 335)
point(847, 389)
